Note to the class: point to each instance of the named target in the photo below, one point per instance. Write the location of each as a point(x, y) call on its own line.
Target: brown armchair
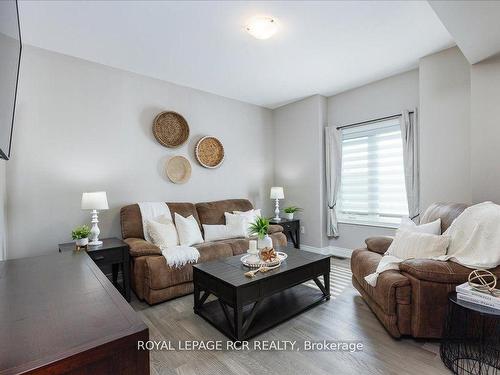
point(412, 301)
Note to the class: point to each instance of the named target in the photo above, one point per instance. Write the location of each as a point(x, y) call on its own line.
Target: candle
point(252, 246)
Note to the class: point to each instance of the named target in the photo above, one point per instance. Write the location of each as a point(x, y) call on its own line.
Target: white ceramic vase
point(289, 216)
point(82, 241)
point(265, 242)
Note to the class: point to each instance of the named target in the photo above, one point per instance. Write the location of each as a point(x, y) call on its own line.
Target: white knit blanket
point(176, 256)
point(475, 237)
point(474, 241)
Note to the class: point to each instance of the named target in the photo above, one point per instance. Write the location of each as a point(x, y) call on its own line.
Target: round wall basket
point(209, 152)
point(178, 169)
point(170, 129)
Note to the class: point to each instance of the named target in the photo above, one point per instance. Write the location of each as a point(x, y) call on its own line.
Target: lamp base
point(277, 218)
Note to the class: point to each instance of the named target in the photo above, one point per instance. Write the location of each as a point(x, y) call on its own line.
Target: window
point(372, 187)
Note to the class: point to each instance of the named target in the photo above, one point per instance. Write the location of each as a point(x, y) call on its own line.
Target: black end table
point(113, 252)
point(246, 307)
point(471, 338)
point(291, 229)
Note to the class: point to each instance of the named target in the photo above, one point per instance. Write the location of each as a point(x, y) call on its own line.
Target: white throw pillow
point(408, 244)
point(188, 230)
point(433, 227)
point(250, 217)
point(222, 232)
point(162, 232)
point(238, 222)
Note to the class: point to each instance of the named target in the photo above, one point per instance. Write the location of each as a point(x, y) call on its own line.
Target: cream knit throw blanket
point(176, 256)
point(475, 237)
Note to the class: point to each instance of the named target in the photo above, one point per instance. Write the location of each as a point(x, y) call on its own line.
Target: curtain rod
point(370, 121)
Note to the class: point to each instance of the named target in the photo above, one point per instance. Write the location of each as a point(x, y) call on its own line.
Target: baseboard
point(329, 250)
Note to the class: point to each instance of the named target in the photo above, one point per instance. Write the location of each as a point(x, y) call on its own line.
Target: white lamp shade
point(277, 192)
point(95, 201)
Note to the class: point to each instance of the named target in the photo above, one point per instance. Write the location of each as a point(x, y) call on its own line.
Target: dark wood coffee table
point(246, 307)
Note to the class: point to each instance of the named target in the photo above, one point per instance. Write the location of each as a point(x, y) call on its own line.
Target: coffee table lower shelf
point(270, 311)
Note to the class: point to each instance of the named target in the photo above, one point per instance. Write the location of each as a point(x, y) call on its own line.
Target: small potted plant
point(290, 211)
point(81, 235)
point(260, 228)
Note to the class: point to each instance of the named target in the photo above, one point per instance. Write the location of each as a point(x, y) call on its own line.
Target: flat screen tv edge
point(6, 153)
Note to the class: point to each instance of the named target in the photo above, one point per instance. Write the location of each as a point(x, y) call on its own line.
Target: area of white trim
point(341, 252)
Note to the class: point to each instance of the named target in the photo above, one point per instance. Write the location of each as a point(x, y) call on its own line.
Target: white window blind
point(372, 188)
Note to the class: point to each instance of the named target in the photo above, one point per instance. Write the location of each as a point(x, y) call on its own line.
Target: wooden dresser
point(60, 314)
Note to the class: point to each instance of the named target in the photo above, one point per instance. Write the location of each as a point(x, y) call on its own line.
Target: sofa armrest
point(140, 247)
point(274, 228)
point(378, 244)
point(438, 271)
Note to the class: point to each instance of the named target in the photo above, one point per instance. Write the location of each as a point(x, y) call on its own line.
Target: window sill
point(369, 224)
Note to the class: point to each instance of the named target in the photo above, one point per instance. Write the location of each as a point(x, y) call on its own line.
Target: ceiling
point(475, 26)
point(322, 47)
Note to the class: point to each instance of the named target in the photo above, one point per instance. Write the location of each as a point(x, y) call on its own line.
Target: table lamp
point(94, 201)
point(277, 193)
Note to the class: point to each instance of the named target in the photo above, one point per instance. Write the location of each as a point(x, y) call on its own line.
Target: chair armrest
point(438, 271)
point(140, 247)
point(273, 228)
point(378, 244)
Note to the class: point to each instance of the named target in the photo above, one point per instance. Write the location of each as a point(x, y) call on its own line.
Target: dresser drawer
point(106, 256)
point(289, 226)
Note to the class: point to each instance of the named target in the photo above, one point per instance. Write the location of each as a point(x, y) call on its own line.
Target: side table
point(291, 228)
point(113, 252)
point(471, 338)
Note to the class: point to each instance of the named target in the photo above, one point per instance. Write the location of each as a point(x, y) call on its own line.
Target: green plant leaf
point(80, 232)
point(259, 227)
point(292, 209)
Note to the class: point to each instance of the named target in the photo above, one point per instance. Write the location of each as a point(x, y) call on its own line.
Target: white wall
point(82, 126)
point(445, 128)
point(298, 162)
point(485, 130)
point(3, 221)
point(379, 99)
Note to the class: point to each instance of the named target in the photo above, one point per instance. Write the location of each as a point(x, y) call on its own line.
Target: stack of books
point(466, 293)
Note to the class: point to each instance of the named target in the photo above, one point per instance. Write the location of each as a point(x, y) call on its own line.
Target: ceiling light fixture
point(262, 27)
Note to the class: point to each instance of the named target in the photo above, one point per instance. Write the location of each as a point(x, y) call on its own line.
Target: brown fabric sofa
point(151, 278)
point(412, 301)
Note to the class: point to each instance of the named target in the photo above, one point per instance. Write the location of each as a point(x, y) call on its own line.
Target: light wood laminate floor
point(344, 317)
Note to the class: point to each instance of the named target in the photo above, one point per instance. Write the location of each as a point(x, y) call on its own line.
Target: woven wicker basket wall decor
point(209, 152)
point(170, 129)
point(178, 169)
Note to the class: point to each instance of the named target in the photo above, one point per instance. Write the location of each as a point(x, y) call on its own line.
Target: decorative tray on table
point(280, 257)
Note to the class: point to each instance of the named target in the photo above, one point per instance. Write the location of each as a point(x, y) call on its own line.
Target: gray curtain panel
point(333, 158)
point(409, 134)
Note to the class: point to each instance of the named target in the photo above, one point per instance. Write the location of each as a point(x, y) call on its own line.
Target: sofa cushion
point(274, 228)
point(392, 287)
point(212, 213)
point(139, 247)
point(379, 244)
point(238, 245)
point(159, 275)
point(185, 209)
point(214, 250)
point(447, 212)
point(131, 219)
point(438, 271)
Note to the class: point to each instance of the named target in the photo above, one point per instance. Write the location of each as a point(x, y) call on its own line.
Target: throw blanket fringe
point(176, 256)
point(179, 256)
